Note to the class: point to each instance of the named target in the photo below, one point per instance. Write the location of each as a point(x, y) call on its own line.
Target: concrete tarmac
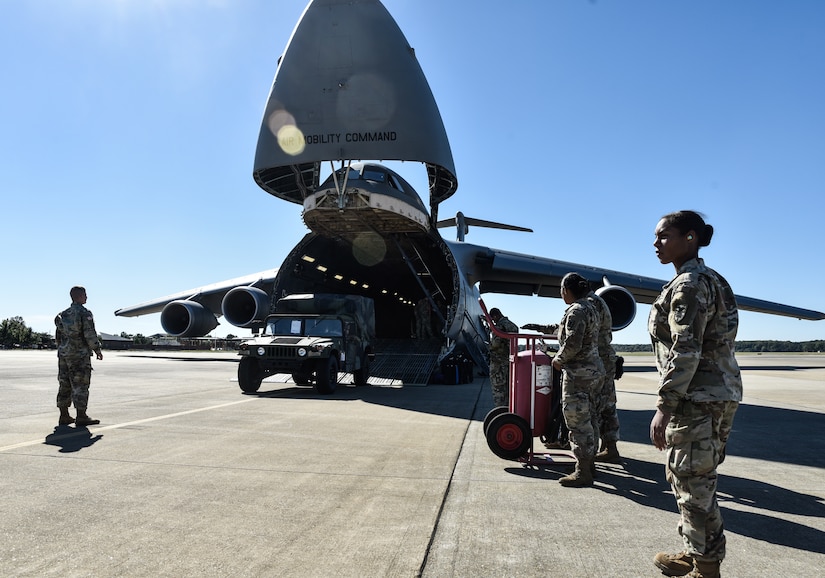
point(187, 476)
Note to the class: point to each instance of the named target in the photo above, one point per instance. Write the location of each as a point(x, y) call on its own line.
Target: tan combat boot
point(609, 455)
point(703, 569)
point(673, 564)
point(581, 477)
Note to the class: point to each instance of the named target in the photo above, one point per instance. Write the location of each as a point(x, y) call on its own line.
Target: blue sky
point(129, 130)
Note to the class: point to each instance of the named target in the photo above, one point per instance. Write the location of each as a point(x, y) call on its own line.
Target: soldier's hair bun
point(576, 284)
point(685, 221)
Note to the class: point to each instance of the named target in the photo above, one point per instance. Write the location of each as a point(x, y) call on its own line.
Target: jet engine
point(184, 318)
point(245, 306)
point(621, 303)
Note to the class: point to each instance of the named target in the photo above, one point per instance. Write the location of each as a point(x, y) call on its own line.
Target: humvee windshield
point(311, 327)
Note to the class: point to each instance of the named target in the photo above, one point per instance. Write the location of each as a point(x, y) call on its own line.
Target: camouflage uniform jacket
point(606, 351)
point(75, 332)
point(578, 339)
point(693, 325)
point(499, 346)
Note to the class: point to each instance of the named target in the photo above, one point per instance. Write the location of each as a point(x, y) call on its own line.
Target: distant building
point(115, 341)
point(165, 342)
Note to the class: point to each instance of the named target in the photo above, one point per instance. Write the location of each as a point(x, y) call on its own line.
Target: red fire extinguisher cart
point(510, 430)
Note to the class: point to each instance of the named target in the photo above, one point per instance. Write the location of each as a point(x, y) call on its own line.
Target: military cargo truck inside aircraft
point(313, 337)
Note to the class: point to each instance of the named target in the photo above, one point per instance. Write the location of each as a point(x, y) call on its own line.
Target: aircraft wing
point(499, 271)
point(210, 296)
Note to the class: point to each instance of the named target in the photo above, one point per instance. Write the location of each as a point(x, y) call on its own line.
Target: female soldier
point(693, 325)
point(582, 373)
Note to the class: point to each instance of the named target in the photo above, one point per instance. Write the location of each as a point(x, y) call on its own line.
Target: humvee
point(312, 337)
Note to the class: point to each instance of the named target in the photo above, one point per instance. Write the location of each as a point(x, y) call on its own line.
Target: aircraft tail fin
point(462, 225)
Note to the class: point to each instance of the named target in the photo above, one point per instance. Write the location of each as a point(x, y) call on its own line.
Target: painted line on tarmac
point(126, 424)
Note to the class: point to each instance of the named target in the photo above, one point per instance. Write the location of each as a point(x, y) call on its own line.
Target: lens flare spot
point(369, 249)
point(278, 119)
point(291, 139)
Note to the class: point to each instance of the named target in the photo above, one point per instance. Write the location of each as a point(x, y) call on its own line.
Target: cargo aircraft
point(349, 91)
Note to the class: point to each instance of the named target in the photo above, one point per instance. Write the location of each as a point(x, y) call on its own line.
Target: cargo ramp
point(404, 361)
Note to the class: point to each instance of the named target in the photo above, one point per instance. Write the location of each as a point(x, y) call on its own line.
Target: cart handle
point(511, 336)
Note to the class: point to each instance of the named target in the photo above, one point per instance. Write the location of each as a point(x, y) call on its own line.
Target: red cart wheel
point(493, 413)
point(509, 436)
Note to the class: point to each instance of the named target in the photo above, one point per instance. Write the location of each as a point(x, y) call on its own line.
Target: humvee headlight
point(302, 352)
point(261, 351)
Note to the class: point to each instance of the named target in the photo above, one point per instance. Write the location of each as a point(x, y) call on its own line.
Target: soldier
point(423, 319)
point(76, 339)
point(607, 415)
point(500, 358)
point(582, 374)
point(693, 325)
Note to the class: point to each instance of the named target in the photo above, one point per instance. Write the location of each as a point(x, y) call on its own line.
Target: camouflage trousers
point(696, 437)
point(500, 383)
point(579, 410)
point(608, 416)
point(423, 327)
point(74, 376)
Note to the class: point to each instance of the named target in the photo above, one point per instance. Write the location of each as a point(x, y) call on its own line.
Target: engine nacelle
point(245, 306)
point(621, 303)
point(185, 318)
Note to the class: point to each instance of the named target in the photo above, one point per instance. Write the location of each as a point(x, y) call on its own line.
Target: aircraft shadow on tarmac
point(185, 358)
point(762, 433)
point(445, 400)
point(759, 432)
point(71, 439)
point(644, 483)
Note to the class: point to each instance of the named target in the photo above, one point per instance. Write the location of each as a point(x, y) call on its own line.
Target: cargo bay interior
point(396, 271)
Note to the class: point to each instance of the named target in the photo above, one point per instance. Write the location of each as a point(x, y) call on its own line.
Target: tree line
point(15, 333)
point(816, 346)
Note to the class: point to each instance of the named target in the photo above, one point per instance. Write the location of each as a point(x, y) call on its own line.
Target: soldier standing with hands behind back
point(76, 338)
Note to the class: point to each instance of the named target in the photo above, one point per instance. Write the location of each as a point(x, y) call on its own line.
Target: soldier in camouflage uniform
point(76, 339)
point(582, 374)
point(608, 416)
point(500, 359)
point(423, 319)
point(693, 325)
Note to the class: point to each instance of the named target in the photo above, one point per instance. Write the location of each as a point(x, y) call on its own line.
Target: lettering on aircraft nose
point(323, 138)
point(335, 138)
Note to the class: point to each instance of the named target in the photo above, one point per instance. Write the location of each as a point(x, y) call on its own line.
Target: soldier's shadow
point(71, 439)
point(644, 483)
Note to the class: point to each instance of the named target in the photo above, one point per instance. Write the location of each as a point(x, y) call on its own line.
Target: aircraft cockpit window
point(395, 183)
point(373, 175)
point(352, 175)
